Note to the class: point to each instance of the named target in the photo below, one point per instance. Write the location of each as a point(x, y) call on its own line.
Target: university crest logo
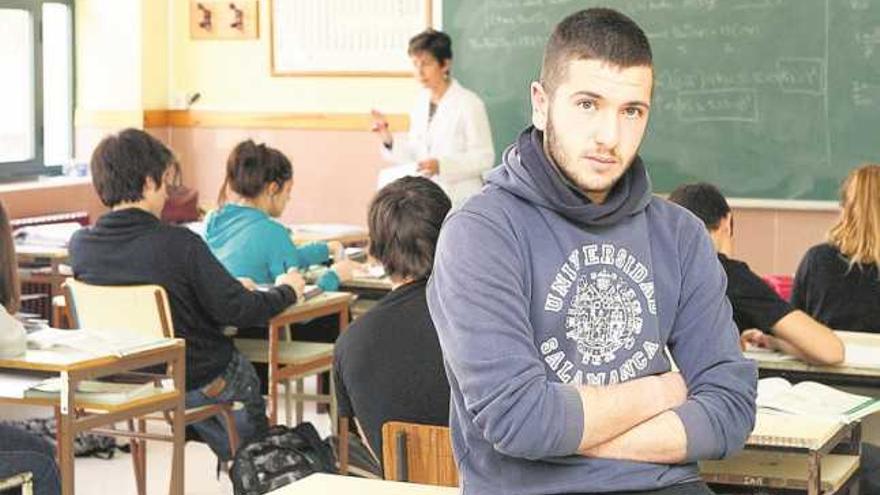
point(603, 317)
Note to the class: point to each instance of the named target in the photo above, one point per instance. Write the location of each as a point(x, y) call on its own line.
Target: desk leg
point(178, 426)
point(273, 374)
point(66, 434)
point(814, 473)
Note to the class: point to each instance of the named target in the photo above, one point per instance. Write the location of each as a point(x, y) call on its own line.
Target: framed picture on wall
point(345, 37)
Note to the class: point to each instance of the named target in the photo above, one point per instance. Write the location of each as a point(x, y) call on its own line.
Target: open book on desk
point(96, 343)
point(814, 399)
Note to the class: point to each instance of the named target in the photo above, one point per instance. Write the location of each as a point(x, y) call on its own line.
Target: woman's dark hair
point(122, 162)
point(437, 43)
point(251, 167)
point(10, 290)
point(404, 221)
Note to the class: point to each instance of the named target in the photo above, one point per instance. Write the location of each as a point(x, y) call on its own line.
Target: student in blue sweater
point(244, 234)
point(557, 289)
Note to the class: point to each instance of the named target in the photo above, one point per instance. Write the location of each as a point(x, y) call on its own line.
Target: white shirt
point(458, 136)
point(12, 335)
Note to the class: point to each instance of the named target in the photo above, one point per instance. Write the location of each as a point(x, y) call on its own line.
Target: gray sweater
point(535, 290)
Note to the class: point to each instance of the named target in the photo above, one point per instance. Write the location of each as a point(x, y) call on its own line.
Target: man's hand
point(380, 127)
point(294, 280)
point(336, 249)
point(248, 283)
point(344, 269)
point(611, 410)
point(429, 167)
point(756, 338)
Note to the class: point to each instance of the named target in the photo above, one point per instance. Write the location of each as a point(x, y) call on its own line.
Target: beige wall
point(334, 172)
point(108, 54)
point(773, 241)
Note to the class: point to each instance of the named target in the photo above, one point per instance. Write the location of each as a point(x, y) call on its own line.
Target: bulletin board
point(345, 37)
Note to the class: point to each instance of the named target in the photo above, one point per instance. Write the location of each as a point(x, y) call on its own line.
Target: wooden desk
point(813, 454)
point(348, 235)
point(860, 368)
point(328, 303)
point(74, 367)
point(325, 484)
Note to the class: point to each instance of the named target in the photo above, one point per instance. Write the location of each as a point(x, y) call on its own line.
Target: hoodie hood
point(230, 221)
point(526, 172)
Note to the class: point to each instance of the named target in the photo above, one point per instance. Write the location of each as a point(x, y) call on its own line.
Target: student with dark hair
point(556, 289)
point(244, 234)
point(388, 365)
point(20, 451)
point(838, 282)
point(127, 246)
point(763, 318)
point(449, 137)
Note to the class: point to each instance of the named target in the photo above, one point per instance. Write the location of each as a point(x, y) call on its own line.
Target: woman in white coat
point(449, 138)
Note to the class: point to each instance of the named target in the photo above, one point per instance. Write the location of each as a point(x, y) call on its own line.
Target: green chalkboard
point(766, 98)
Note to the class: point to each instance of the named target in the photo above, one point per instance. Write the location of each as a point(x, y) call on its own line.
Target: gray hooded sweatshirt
point(535, 289)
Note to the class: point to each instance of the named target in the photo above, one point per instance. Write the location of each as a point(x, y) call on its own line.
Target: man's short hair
point(437, 43)
point(598, 33)
point(404, 221)
point(122, 162)
point(703, 200)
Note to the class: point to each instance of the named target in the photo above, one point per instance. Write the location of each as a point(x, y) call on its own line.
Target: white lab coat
point(458, 136)
point(12, 335)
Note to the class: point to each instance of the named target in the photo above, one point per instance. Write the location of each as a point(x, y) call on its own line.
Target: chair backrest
point(418, 453)
point(781, 284)
point(142, 309)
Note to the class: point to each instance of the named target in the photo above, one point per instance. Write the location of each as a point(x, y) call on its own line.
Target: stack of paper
point(94, 392)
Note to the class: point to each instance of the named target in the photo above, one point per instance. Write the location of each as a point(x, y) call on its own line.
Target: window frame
point(37, 166)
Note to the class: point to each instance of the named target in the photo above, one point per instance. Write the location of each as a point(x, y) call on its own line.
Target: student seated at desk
point(838, 282)
point(20, 451)
point(131, 172)
point(244, 234)
point(388, 365)
point(763, 318)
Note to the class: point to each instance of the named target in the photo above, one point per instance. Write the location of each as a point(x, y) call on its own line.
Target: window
point(36, 90)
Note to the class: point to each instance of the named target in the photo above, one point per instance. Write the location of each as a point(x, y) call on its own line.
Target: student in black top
point(838, 283)
point(132, 172)
point(388, 365)
point(763, 318)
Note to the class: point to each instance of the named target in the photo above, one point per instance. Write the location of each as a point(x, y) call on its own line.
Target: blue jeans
point(238, 383)
point(21, 451)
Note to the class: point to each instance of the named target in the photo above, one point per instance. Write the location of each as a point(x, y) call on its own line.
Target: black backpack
point(282, 456)
point(84, 444)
